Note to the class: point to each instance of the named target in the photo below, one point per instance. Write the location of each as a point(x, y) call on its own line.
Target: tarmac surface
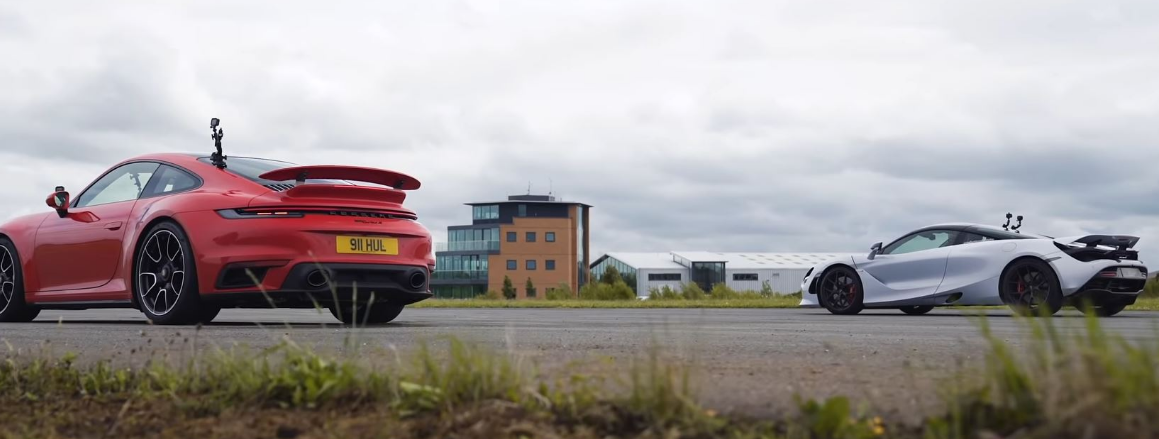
point(749, 361)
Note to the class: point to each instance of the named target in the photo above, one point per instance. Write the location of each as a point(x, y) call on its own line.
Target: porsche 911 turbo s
point(181, 236)
point(972, 264)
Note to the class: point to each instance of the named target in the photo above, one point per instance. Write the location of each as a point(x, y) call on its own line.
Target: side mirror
point(59, 200)
point(873, 251)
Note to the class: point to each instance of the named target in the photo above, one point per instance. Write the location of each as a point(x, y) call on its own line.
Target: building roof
point(644, 260)
point(749, 260)
point(733, 260)
point(528, 199)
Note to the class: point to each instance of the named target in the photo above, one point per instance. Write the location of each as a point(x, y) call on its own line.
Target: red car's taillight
point(259, 213)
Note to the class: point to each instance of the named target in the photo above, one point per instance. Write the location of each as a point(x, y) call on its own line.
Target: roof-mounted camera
point(217, 158)
point(1008, 227)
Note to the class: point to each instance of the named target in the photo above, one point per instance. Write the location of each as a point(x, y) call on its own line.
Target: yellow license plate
point(367, 245)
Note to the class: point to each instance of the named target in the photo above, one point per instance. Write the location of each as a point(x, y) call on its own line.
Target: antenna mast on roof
point(550, 187)
point(528, 188)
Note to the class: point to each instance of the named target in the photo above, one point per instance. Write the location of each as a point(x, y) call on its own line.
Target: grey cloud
point(743, 125)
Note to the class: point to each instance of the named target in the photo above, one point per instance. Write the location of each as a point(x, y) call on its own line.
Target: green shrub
point(611, 276)
point(603, 291)
point(692, 291)
point(508, 288)
point(530, 288)
point(560, 292)
point(490, 295)
point(664, 293)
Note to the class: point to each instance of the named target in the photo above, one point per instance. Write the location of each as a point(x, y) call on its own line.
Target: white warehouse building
point(740, 271)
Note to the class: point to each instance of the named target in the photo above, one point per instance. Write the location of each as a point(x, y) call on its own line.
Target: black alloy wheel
point(12, 305)
point(1030, 288)
point(165, 278)
point(916, 310)
point(840, 291)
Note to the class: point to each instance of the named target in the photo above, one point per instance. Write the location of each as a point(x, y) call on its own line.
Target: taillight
point(259, 213)
point(1110, 272)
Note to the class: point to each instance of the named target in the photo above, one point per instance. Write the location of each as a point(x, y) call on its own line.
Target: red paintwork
point(88, 254)
point(393, 179)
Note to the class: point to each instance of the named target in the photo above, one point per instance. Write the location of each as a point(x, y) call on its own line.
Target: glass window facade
point(462, 267)
point(707, 274)
point(549, 264)
point(485, 212)
point(458, 291)
point(549, 236)
point(511, 236)
point(531, 264)
point(579, 249)
point(522, 210)
point(478, 239)
point(512, 264)
point(627, 272)
point(744, 276)
point(664, 277)
point(530, 237)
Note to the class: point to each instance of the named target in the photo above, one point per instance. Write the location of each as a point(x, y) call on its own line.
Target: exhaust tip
point(418, 280)
point(316, 279)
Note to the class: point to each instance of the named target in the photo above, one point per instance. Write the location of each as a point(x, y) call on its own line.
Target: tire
point(916, 310)
point(379, 313)
point(170, 298)
point(13, 308)
point(207, 313)
point(840, 291)
point(1030, 288)
point(1102, 310)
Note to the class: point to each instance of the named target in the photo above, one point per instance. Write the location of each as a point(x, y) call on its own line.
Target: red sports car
point(181, 236)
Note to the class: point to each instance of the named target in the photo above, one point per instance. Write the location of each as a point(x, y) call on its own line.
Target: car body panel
point(970, 274)
point(83, 259)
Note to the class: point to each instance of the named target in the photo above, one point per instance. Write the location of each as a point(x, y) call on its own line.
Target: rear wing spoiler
point(1121, 242)
point(1095, 247)
point(396, 180)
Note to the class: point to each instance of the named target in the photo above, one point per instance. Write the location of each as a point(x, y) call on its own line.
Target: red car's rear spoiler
point(384, 177)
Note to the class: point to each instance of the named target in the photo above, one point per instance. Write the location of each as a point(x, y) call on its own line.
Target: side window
point(917, 242)
point(121, 184)
point(974, 237)
point(170, 180)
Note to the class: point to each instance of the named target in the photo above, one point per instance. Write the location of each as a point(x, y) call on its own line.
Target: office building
point(535, 237)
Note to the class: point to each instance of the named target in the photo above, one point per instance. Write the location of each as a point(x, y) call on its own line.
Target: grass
point(1060, 383)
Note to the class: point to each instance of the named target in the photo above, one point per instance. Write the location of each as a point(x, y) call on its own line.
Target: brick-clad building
point(526, 236)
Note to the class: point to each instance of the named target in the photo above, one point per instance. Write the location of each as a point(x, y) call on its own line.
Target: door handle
point(113, 225)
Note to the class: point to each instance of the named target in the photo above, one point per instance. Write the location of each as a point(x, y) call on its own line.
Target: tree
point(611, 276)
point(508, 288)
point(530, 288)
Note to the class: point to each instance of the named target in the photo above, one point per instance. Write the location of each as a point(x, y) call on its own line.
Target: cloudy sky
point(763, 125)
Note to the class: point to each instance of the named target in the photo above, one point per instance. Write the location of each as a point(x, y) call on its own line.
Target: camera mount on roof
point(218, 159)
point(1015, 228)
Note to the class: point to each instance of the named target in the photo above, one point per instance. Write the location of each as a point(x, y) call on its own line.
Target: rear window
point(250, 168)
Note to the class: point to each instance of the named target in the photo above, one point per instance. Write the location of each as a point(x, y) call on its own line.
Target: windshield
point(251, 168)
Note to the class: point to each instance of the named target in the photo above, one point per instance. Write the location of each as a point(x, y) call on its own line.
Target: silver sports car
point(972, 264)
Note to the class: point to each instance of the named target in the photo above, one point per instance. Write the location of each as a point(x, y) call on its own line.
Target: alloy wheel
point(840, 290)
point(1027, 286)
point(7, 278)
point(161, 272)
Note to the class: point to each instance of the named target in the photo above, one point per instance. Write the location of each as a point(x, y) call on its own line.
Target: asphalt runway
point(747, 360)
